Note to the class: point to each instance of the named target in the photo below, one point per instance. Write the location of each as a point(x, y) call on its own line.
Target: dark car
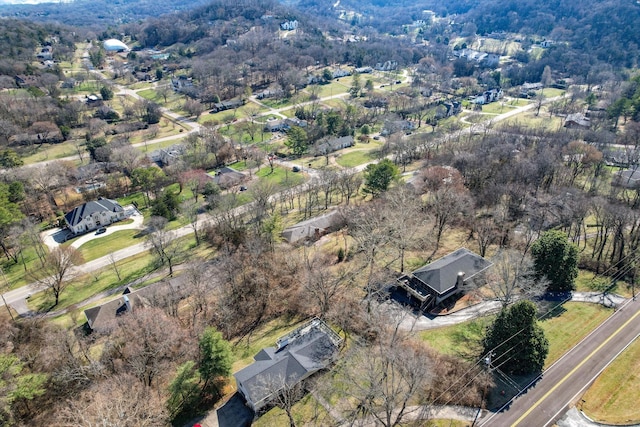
point(101, 230)
point(296, 169)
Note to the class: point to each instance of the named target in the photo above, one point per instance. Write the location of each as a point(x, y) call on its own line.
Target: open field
point(612, 399)
point(355, 158)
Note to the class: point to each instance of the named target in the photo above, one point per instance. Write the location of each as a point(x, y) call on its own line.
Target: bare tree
point(377, 382)
point(117, 401)
point(323, 282)
point(163, 242)
point(512, 277)
point(283, 392)
point(56, 273)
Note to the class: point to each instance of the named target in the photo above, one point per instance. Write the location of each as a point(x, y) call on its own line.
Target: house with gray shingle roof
point(433, 283)
point(297, 355)
point(92, 215)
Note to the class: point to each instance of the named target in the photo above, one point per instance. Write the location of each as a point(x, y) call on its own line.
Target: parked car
point(296, 169)
point(101, 230)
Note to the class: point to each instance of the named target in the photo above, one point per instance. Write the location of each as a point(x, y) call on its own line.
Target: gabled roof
point(442, 275)
point(307, 228)
point(227, 177)
point(102, 315)
point(306, 350)
point(76, 216)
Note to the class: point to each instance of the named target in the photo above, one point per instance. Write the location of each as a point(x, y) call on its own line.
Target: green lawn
point(281, 177)
point(564, 328)
point(266, 336)
point(497, 108)
point(52, 151)
point(355, 158)
point(89, 285)
point(612, 399)
point(107, 244)
point(305, 412)
point(568, 324)
point(15, 274)
point(458, 339)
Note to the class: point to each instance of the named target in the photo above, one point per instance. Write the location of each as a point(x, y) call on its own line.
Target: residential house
point(94, 214)
point(452, 108)
point(488, 96)
point(45, 54)
point(629, 178)
point(269, 93)
point(297, 355)
point(313, 228)
point(447, 277)
point(386, 66)
point(364, 70)
point(182, 83)
point(24, 81)
point(340, 72)
point(158, 294)
point(170, 155)
point(289, 25)
point(329, 145)
point(577, 121)
point(69, 83)
point(283, 125)
point(227, 177)
point(227, 105)
point(528, 90)
point(547, 43)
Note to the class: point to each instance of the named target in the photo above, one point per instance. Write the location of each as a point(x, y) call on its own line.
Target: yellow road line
point(573, 371)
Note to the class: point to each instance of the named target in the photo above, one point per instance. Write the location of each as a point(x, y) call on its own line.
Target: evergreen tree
point(555, 258)
point(378, 177)
point(215, 359)
point(515, 343)
point(297, 140)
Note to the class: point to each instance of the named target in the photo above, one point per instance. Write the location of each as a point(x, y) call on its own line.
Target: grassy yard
point(458, 339)
point(497, 108)
point(245, 348)
point(355, 158)
point(305, 412)
point(529, 119)
point(52, 151)
point(15, 274)
point(281, 177)
point(564, 328)
point(612, 398)
point(568, 324)
point(105, 245)
point(89, 285)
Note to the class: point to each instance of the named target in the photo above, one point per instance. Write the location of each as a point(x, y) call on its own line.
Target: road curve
point(546, 401)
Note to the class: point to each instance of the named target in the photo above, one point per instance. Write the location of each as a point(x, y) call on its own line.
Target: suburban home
point(289, 25)
point(158, 294)
point(170, 155)
point(24, 81)
point(313, 228)
point(434, 283)
point(334, 144)
point(340, 72)
point(227, 177)
point(386, 66)
point(181, 83)
point(283, 125)
point(227, 105)
point(629, 178)
point(577, 121)
point(488, 96)
point(94, 214)
point(363, 70)
point(297, 355)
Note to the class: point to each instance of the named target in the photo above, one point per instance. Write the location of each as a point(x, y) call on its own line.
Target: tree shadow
point(508, 387)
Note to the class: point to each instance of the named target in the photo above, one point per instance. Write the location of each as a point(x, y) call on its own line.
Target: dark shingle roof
point(299, 356)
point(101, 205)
point(442, 275)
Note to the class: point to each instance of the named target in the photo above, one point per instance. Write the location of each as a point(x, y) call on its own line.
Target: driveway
point(53, 238)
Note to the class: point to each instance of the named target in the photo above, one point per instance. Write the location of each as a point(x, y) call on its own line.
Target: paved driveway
point(53, 238)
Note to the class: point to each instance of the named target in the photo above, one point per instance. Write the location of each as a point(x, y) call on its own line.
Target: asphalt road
point(563, 383)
